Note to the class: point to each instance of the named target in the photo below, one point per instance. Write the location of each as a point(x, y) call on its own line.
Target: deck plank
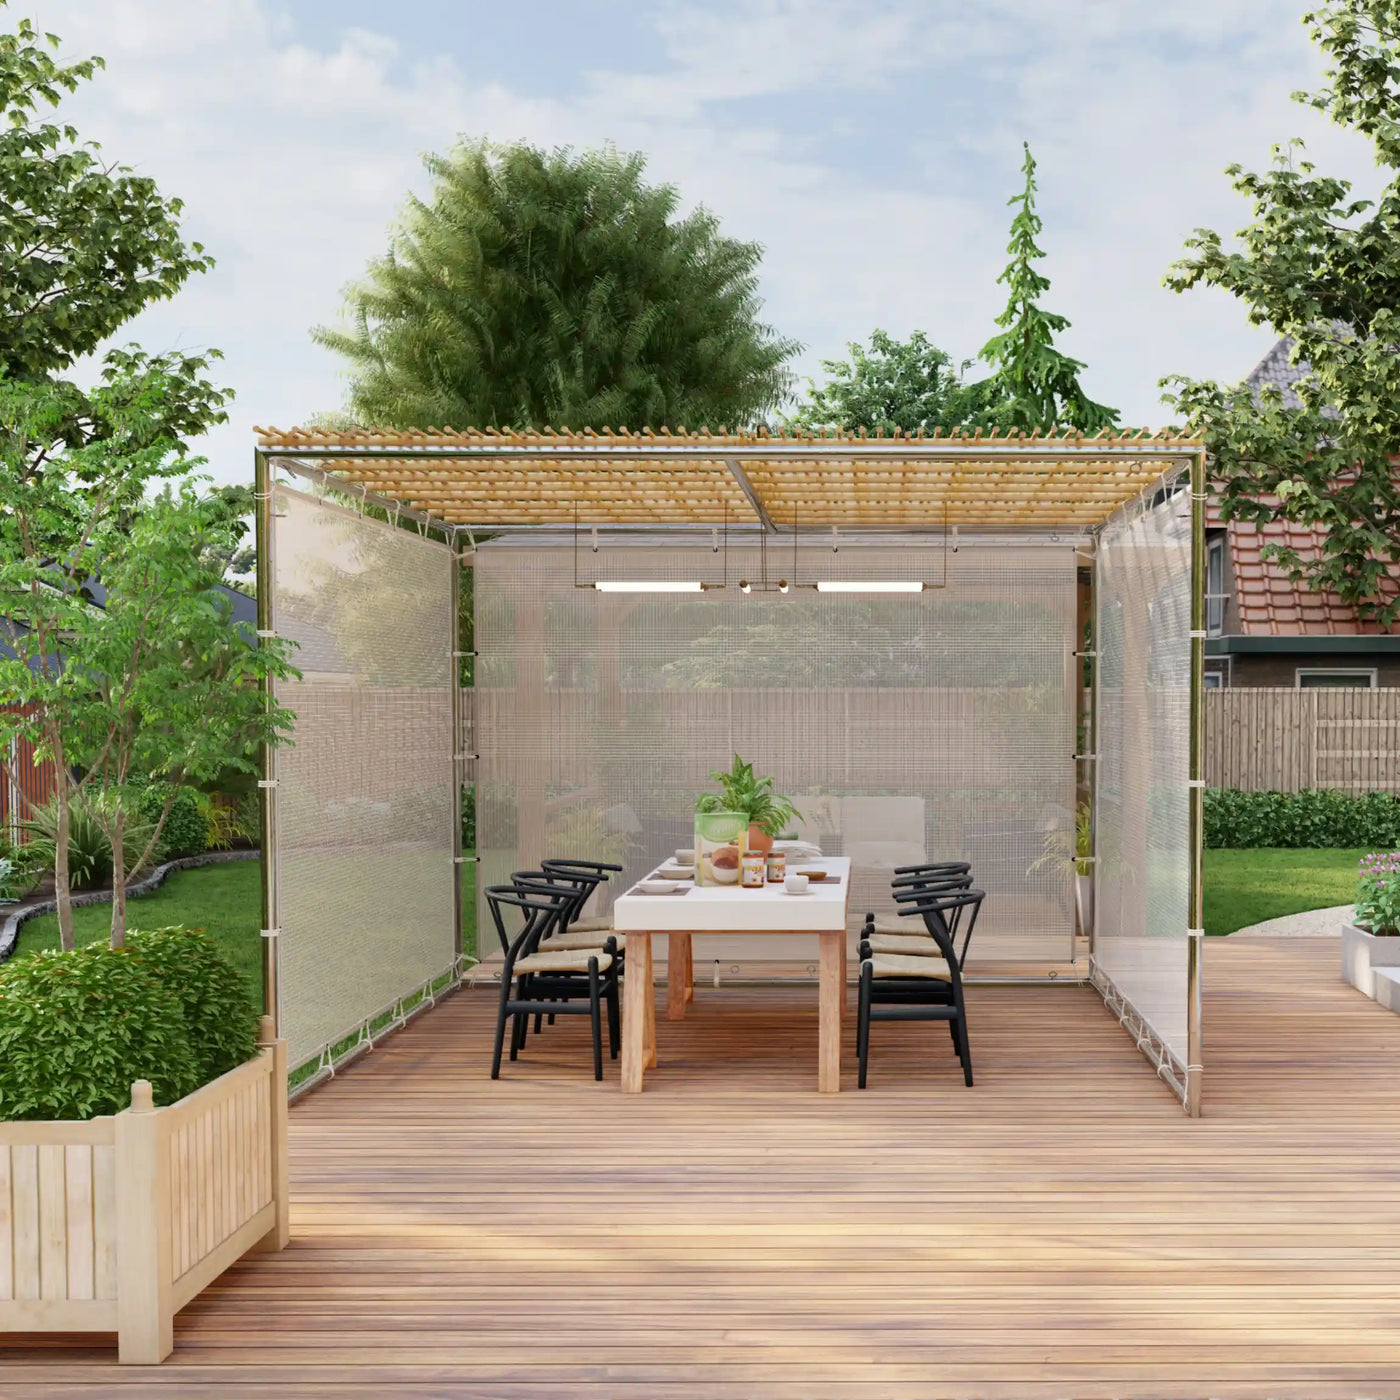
point(1060, 1229)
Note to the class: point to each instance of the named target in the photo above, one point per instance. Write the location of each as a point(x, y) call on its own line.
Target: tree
point(906, 386)
point(84, 246)
point(1035, 385)
point(167, 689)
point(1323, 269)
point(558, 289)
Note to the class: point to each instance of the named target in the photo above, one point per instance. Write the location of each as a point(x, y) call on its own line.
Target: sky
point(869, 145)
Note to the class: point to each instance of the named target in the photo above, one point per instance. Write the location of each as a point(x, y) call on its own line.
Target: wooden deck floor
point(1061, 1230)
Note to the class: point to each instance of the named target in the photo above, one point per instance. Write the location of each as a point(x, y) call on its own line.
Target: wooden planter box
point(114, 1224)
point(1362, 951)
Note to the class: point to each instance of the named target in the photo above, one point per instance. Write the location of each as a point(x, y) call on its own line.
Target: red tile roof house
point(1265, 630)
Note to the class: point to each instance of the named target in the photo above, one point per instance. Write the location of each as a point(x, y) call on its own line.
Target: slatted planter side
point(114, 1224)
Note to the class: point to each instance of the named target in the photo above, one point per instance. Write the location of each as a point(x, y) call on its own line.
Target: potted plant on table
point(1372, 939)
point(745, 795)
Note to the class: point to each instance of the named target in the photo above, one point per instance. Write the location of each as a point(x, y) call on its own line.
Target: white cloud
point(292, 158)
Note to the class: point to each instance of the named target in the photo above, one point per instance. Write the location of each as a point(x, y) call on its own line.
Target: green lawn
point(226, 899)
point(1247, 887)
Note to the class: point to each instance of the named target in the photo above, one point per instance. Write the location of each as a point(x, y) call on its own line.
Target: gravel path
point(1314, 923)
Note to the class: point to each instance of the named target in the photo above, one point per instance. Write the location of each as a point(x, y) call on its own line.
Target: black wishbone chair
point(898, 937)
point(921, 988)
point(576, 930)
point(537, 979)
point(563, 935)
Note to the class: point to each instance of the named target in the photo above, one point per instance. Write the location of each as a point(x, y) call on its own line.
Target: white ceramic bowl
point(725, 875)
point(658, 887)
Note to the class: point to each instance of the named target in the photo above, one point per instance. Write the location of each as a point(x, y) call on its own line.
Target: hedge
point(1315, 817)
point(76, 1028)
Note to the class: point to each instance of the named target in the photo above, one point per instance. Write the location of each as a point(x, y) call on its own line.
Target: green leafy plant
point(1059, 851)
point(1315, 818)
point(742, 791)
point(220, 822)
point(77, 1027)
point(1378, 893)
point(89, 849)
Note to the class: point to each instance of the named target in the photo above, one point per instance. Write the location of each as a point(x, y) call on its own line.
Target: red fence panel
point(24, 782)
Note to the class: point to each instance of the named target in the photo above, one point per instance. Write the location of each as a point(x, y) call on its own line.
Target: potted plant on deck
point(1372, 940)
point(744, 794)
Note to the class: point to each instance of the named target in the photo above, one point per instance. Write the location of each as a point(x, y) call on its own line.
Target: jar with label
point(777, 867)
point(752, 870)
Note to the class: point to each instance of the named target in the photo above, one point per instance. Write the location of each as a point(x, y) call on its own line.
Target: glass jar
point(752, 870)
point(777, 867)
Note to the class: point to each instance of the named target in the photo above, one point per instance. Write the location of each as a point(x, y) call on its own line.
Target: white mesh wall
point(365, 799)
point(905, 727)
point(1144, 735)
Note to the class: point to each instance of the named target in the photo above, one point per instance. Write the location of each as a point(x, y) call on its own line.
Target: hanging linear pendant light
point(657, 585)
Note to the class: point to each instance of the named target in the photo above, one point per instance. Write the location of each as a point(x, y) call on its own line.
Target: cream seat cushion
point(582, 938)
point(890, 965)
point(565, 961)
point(918, 945)
point(601, 924)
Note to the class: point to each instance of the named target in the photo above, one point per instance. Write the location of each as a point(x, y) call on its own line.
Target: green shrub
point(76, 1028)
point(222, 1028)
point(185, 832)
point(1378, 893)
point(1317, 818)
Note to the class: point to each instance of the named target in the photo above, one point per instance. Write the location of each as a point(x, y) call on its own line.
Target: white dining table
point(730, 909)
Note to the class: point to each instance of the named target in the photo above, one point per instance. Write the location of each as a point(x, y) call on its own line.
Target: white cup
point(685, 857)
point(795, 883)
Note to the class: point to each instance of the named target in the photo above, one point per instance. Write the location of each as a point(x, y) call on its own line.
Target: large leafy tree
point(167, 688)
point(558, 288)
point(896, 386)
point(84, 246)
point(1035, 386)
point(1322, 268)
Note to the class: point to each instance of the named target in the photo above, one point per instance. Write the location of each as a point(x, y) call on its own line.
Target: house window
point(1359, 679)
point(1213, 680)
point(1215, 588)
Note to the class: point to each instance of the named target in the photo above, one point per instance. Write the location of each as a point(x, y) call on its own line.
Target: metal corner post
point(1091, 745)
point(454, 644)
point(1196, 818)
point(263, 520)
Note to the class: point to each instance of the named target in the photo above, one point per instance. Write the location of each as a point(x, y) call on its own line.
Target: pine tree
point(558, 289)
point(1040, 385)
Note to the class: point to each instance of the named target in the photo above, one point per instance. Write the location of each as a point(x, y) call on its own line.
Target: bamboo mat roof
point(544, 477)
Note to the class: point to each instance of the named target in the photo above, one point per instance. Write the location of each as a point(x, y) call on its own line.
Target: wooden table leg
point(677, 975)
point(636, 997)
point(845, 973)
point(650, 1008)
point(689, 969)
point(831, 994)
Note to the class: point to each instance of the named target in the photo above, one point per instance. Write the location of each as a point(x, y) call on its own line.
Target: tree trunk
point(118, 878)
point(62, 885)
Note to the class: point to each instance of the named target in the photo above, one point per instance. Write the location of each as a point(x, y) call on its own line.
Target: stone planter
point(115, 1223)
point(1362, 951)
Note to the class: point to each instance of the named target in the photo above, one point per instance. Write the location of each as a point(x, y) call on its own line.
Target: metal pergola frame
point(331, 460)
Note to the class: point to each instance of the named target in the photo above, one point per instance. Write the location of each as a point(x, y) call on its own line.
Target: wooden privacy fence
point(114, 1224)
point(24, 782)
point(1285, 740)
